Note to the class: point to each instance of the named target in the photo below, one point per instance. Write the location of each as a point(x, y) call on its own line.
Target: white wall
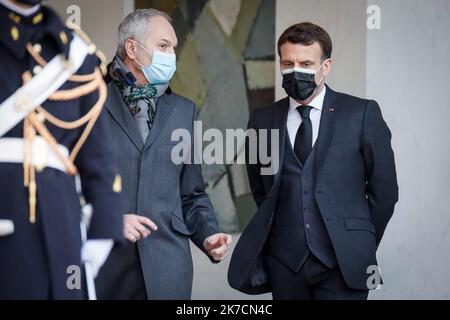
point(408, 73)
point(99, 19)
point(405, 68)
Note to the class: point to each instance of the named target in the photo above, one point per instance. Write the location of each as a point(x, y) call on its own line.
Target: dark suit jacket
point(170, 194)
point(355, 188)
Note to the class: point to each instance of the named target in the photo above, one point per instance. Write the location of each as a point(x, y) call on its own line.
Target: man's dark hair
point(306, 33)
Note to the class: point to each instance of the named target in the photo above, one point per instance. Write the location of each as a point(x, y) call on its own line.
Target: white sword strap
point(41, 86)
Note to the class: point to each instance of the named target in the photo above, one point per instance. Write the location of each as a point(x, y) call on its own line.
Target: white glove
point(95, 252)
point(6, 227)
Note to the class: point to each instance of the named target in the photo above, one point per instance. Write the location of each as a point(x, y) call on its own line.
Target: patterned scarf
point(141, 99)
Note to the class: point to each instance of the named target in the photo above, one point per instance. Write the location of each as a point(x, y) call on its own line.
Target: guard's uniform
point(41, 200)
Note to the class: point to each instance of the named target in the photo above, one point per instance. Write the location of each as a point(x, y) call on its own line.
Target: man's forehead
point(160, 25)
point(301, 52)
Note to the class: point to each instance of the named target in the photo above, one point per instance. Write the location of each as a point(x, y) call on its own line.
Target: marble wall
point(225, 62)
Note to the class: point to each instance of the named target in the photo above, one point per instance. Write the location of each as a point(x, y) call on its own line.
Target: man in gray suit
point(165, 202)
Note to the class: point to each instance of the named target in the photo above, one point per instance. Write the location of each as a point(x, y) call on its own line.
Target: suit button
point(306, 210)
point(308, 226)
point(305, 193)
point(305, 175)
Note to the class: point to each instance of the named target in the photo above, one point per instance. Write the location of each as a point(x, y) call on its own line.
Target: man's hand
point(135, 227)
point(217, 245)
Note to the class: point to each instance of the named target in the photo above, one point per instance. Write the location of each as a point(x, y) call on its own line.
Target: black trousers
point(121, 277)
point(314, 281)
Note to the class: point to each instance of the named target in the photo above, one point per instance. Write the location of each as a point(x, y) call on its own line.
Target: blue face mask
point(162, 67)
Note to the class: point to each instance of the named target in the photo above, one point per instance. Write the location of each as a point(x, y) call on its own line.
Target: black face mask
point(30, 2)
point(300, 83)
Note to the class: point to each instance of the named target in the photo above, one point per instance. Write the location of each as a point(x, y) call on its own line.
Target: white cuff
point(6, 227)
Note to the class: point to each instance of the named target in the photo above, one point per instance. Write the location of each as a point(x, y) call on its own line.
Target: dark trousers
point(314, 281)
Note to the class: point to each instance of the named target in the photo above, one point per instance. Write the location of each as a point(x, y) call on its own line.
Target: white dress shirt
point(294, 118)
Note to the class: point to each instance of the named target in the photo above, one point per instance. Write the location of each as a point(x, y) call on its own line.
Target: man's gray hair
point(135, 26)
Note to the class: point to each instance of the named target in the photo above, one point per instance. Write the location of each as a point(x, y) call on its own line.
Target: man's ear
point(327, 66)
point(130, 48)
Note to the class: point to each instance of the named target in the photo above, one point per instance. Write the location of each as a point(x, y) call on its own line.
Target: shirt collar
point(316, 103)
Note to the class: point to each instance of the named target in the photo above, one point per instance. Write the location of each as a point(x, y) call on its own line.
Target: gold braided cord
point(83, 77)
point(79, 122)
point(28, 134)
point(32, 189)
point(82, 90)
point(26, 76)
point(29, 171)
point(34, 123)
point(36, 56)
point(43, 131)
point(78, 30)
point(75, 77)
point(98, 107)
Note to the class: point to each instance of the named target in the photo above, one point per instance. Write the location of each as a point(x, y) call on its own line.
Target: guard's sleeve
point(97, 164)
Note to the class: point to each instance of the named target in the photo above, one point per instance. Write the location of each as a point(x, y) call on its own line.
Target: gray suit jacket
point(172, 195)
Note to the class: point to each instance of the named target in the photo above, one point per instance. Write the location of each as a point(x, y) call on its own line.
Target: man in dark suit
point(321, 217)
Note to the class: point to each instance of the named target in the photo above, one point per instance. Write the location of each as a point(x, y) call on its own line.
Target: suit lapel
point(330, 112)
point(163, 111)
point(279, 122)
point(119, 111)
